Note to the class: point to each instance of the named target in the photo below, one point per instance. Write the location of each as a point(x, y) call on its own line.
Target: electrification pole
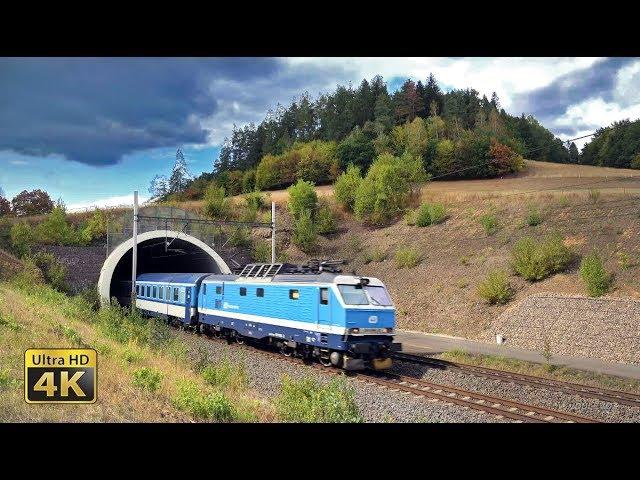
point(134, 259)
point(273, 232)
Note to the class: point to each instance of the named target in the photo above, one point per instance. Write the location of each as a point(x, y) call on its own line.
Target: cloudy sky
point(90, 131)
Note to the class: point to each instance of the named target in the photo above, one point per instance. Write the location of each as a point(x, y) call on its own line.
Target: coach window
point(137, 289)
point(148, 290)
point(294, 294)
point(155, 292)
point(259, 292)
point(168, 293)
point(243, 291)
point(181, 300)
point(324, 296)
point(218, 290)
point(175, 294)
point(160, 291)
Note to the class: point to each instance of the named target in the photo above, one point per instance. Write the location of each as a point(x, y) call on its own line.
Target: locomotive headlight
point(354, 330)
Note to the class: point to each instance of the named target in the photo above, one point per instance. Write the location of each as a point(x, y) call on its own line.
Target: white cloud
point(627, 88)
point(19, 163)
point(505, 76)
point(593, 114)
point(117, 201)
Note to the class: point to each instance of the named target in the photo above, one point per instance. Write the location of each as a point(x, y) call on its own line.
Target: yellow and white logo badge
point(66, 375)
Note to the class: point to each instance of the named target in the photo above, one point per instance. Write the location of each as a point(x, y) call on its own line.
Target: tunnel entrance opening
point(185, 254)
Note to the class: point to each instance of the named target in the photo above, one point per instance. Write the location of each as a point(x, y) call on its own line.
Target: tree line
point(316, 139)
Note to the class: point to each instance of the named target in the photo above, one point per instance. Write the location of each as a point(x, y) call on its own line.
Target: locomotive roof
point(324, 277)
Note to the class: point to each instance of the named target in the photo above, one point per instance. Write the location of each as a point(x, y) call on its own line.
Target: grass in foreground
point(144, 373)
point(544, 370)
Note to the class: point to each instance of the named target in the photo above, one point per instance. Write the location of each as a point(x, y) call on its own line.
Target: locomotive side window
point(324, 296)
point(175, 294)
point(218, 290)
point(259, 292)
point(243, 291)
point(294, 294)
point(155, 292)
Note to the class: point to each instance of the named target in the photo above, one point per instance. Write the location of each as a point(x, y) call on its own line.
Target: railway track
point(587, 391)
point(500, 407)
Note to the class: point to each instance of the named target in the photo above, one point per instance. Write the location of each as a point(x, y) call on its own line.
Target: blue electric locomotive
point(342, 320)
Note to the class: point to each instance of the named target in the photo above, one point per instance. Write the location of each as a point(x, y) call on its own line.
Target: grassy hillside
point(144, 372)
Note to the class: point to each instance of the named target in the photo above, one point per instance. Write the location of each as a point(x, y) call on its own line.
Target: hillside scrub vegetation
point(495, 288)
point(537, 259)
point(596, 279)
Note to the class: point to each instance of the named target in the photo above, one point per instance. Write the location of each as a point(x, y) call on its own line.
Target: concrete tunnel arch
point(197, 256)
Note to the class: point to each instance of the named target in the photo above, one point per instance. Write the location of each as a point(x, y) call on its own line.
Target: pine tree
point(159, 186)
point(432, 93)
point(495, 101)
point(407, 102)
point(574, 155)
point(421, 91)
point(180, 175)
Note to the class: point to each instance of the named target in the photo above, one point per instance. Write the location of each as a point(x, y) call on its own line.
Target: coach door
point(324, 307)
point(187, 308)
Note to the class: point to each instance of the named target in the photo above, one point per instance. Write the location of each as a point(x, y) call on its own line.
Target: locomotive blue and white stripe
point(345, 320)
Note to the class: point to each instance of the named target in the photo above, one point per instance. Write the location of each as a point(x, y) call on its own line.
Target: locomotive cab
point(369, 320)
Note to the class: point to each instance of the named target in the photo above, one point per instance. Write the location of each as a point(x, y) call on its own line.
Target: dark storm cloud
point(550, 102)
point(96, 110)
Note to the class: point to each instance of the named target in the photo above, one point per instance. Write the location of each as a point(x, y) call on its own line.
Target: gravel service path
point(604, 328)
point(376, 404)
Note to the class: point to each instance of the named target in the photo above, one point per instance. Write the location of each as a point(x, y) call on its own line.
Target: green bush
point(254, 200)
point(306, 400)
point(430, 214)
point(346, 186)
point(56, 230)
point(496, 288)
point(594, 195)
point(325, 221)
point(387, 188)
point(375, 255)
point(216, 204)
point(240, 237)
point(537, 259)
point(55, 273)
point(302, 196)
point(594, 275)
point(438, 213)
point(489, 223)
point(21, 235)
point(147, 379)
point(533, 217)
point(304, 232)
point(96, 227)
point(261, 251)
point(248, 181)
point(226, 375)
point(423, 215)
point(407, 257)
point(215, 406)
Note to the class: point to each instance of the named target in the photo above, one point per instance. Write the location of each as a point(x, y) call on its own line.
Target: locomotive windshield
point(367, 295)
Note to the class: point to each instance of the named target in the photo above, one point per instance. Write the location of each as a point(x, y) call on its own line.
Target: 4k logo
point(60, 375)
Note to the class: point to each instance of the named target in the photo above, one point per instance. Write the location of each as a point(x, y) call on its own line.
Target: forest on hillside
point(451, 133)
point(316, 139)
